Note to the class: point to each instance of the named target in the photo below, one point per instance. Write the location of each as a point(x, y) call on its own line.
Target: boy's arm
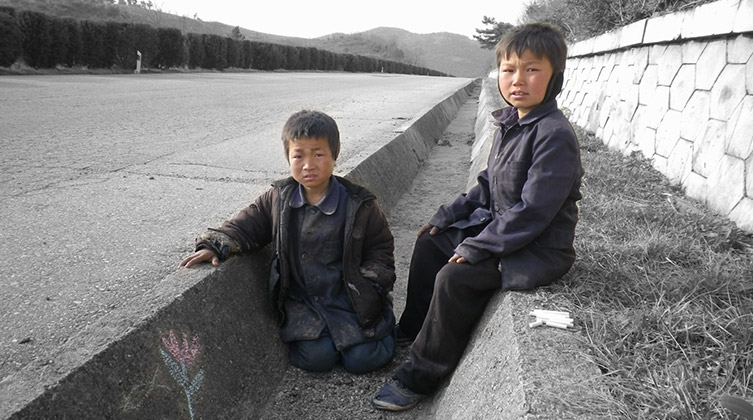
point(464, 204)
point(249, 230)
point(555, 167)
point(378, 260)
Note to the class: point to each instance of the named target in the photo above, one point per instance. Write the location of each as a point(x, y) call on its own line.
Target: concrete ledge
point(512, 371)
point(390, 170)
point(509, 370)
point(96, 377)
point(488, 101)
point(210, 329)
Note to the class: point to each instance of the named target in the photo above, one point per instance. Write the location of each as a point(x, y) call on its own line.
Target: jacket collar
point(328, 204)
point(508, 116)
point(287, 187)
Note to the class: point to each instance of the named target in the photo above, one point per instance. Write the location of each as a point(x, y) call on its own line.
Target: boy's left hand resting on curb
point(200, 256)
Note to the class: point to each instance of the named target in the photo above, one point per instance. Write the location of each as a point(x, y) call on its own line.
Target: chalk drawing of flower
point(181, 355)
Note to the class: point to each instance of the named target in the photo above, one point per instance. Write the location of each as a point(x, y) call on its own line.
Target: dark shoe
point(394, 396)
point(402, 338)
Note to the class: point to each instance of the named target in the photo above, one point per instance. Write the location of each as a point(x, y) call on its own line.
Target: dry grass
point(664, 290)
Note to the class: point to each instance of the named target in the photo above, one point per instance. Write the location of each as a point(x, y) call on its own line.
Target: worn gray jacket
point(368, 260)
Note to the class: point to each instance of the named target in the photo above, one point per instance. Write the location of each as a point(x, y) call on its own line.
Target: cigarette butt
point(537, 312)
point(564, 321)
point(550, 323)
point(552, 316)
point(537, 323)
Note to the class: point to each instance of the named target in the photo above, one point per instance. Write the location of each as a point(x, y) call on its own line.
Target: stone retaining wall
point(679, 89)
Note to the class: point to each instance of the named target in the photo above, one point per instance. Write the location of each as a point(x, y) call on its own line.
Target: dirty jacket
point(526, 197)
point(368, 260)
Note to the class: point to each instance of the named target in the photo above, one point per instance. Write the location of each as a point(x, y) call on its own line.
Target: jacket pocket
point(511, 179)
point(368, 302)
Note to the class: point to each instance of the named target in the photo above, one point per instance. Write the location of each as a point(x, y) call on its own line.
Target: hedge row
point(43, 41)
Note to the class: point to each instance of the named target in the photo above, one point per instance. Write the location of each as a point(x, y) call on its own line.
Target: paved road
point(105, 180)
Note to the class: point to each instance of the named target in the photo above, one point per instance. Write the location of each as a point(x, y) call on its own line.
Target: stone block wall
point(679, 89)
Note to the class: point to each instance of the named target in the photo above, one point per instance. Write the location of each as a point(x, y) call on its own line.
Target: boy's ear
point(554, 87)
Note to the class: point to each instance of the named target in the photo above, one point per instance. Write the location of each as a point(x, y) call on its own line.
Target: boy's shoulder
point(355, 190)
point(549, 118)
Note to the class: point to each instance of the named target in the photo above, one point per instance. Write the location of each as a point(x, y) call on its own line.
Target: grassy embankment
point(663, 290)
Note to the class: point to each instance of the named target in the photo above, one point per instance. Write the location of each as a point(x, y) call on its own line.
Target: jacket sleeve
point(554, 168)
point(378, 260)
point(249, 230)
point(464, 204)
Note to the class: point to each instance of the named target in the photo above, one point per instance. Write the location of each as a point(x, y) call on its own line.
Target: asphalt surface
point(105, 180)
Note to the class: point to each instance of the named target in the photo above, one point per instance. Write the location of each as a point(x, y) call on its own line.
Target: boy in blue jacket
point(514, 230)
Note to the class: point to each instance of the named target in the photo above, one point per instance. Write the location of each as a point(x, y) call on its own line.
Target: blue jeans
point(321, 355)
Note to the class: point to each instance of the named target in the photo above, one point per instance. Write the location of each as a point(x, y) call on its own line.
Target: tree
point(489, 37)
point(59, 42)
point(35, 28)
point(236, 34)
point(195, 50)
point(93, 53)
point(169, 48)
point(10, 33)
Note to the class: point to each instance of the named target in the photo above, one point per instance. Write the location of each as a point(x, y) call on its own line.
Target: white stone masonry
point(679, 89)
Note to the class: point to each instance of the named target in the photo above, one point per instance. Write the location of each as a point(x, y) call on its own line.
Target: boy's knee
point(313, 355)
point(450, 276)
point(424, 240)
point(368, 357)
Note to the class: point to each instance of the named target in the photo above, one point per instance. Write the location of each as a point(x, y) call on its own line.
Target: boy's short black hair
point(311, 124)
point(542, 39)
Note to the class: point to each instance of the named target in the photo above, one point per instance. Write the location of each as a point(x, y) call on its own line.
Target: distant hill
point(445, 52)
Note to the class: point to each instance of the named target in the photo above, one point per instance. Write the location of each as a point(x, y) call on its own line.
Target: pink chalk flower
point(185, 352)
point(181, 355)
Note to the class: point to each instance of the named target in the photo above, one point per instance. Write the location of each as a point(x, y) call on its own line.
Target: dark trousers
point(445, 301)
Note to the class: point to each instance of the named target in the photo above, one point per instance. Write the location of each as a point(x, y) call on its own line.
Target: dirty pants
point(445, 300)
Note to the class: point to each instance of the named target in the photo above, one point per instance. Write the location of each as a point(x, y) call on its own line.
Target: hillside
point(445, 52)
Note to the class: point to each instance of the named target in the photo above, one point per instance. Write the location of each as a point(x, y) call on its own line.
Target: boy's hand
point(200, 256)
point(457, 259)
point(434, 230)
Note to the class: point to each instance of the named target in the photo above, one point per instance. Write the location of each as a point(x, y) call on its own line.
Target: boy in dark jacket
point(513, 230)
point(334, 263)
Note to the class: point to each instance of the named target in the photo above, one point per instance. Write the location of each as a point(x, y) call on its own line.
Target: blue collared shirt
point(317, 299)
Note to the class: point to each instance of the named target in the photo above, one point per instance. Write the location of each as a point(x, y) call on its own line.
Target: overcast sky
point(314, 18)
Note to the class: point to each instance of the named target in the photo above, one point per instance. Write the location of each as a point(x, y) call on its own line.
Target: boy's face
point(311, 164)
point(523, 80)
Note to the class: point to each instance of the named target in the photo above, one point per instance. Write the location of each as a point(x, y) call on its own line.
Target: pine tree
point(490, 36)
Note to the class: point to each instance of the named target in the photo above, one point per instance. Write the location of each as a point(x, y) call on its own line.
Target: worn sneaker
point(394, 396)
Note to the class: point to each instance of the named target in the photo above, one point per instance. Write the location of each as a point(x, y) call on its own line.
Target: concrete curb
point(509, 370)
point(390, 170)
point(208, 330)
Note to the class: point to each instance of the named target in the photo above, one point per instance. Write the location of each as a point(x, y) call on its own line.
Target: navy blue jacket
point(526, 198)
